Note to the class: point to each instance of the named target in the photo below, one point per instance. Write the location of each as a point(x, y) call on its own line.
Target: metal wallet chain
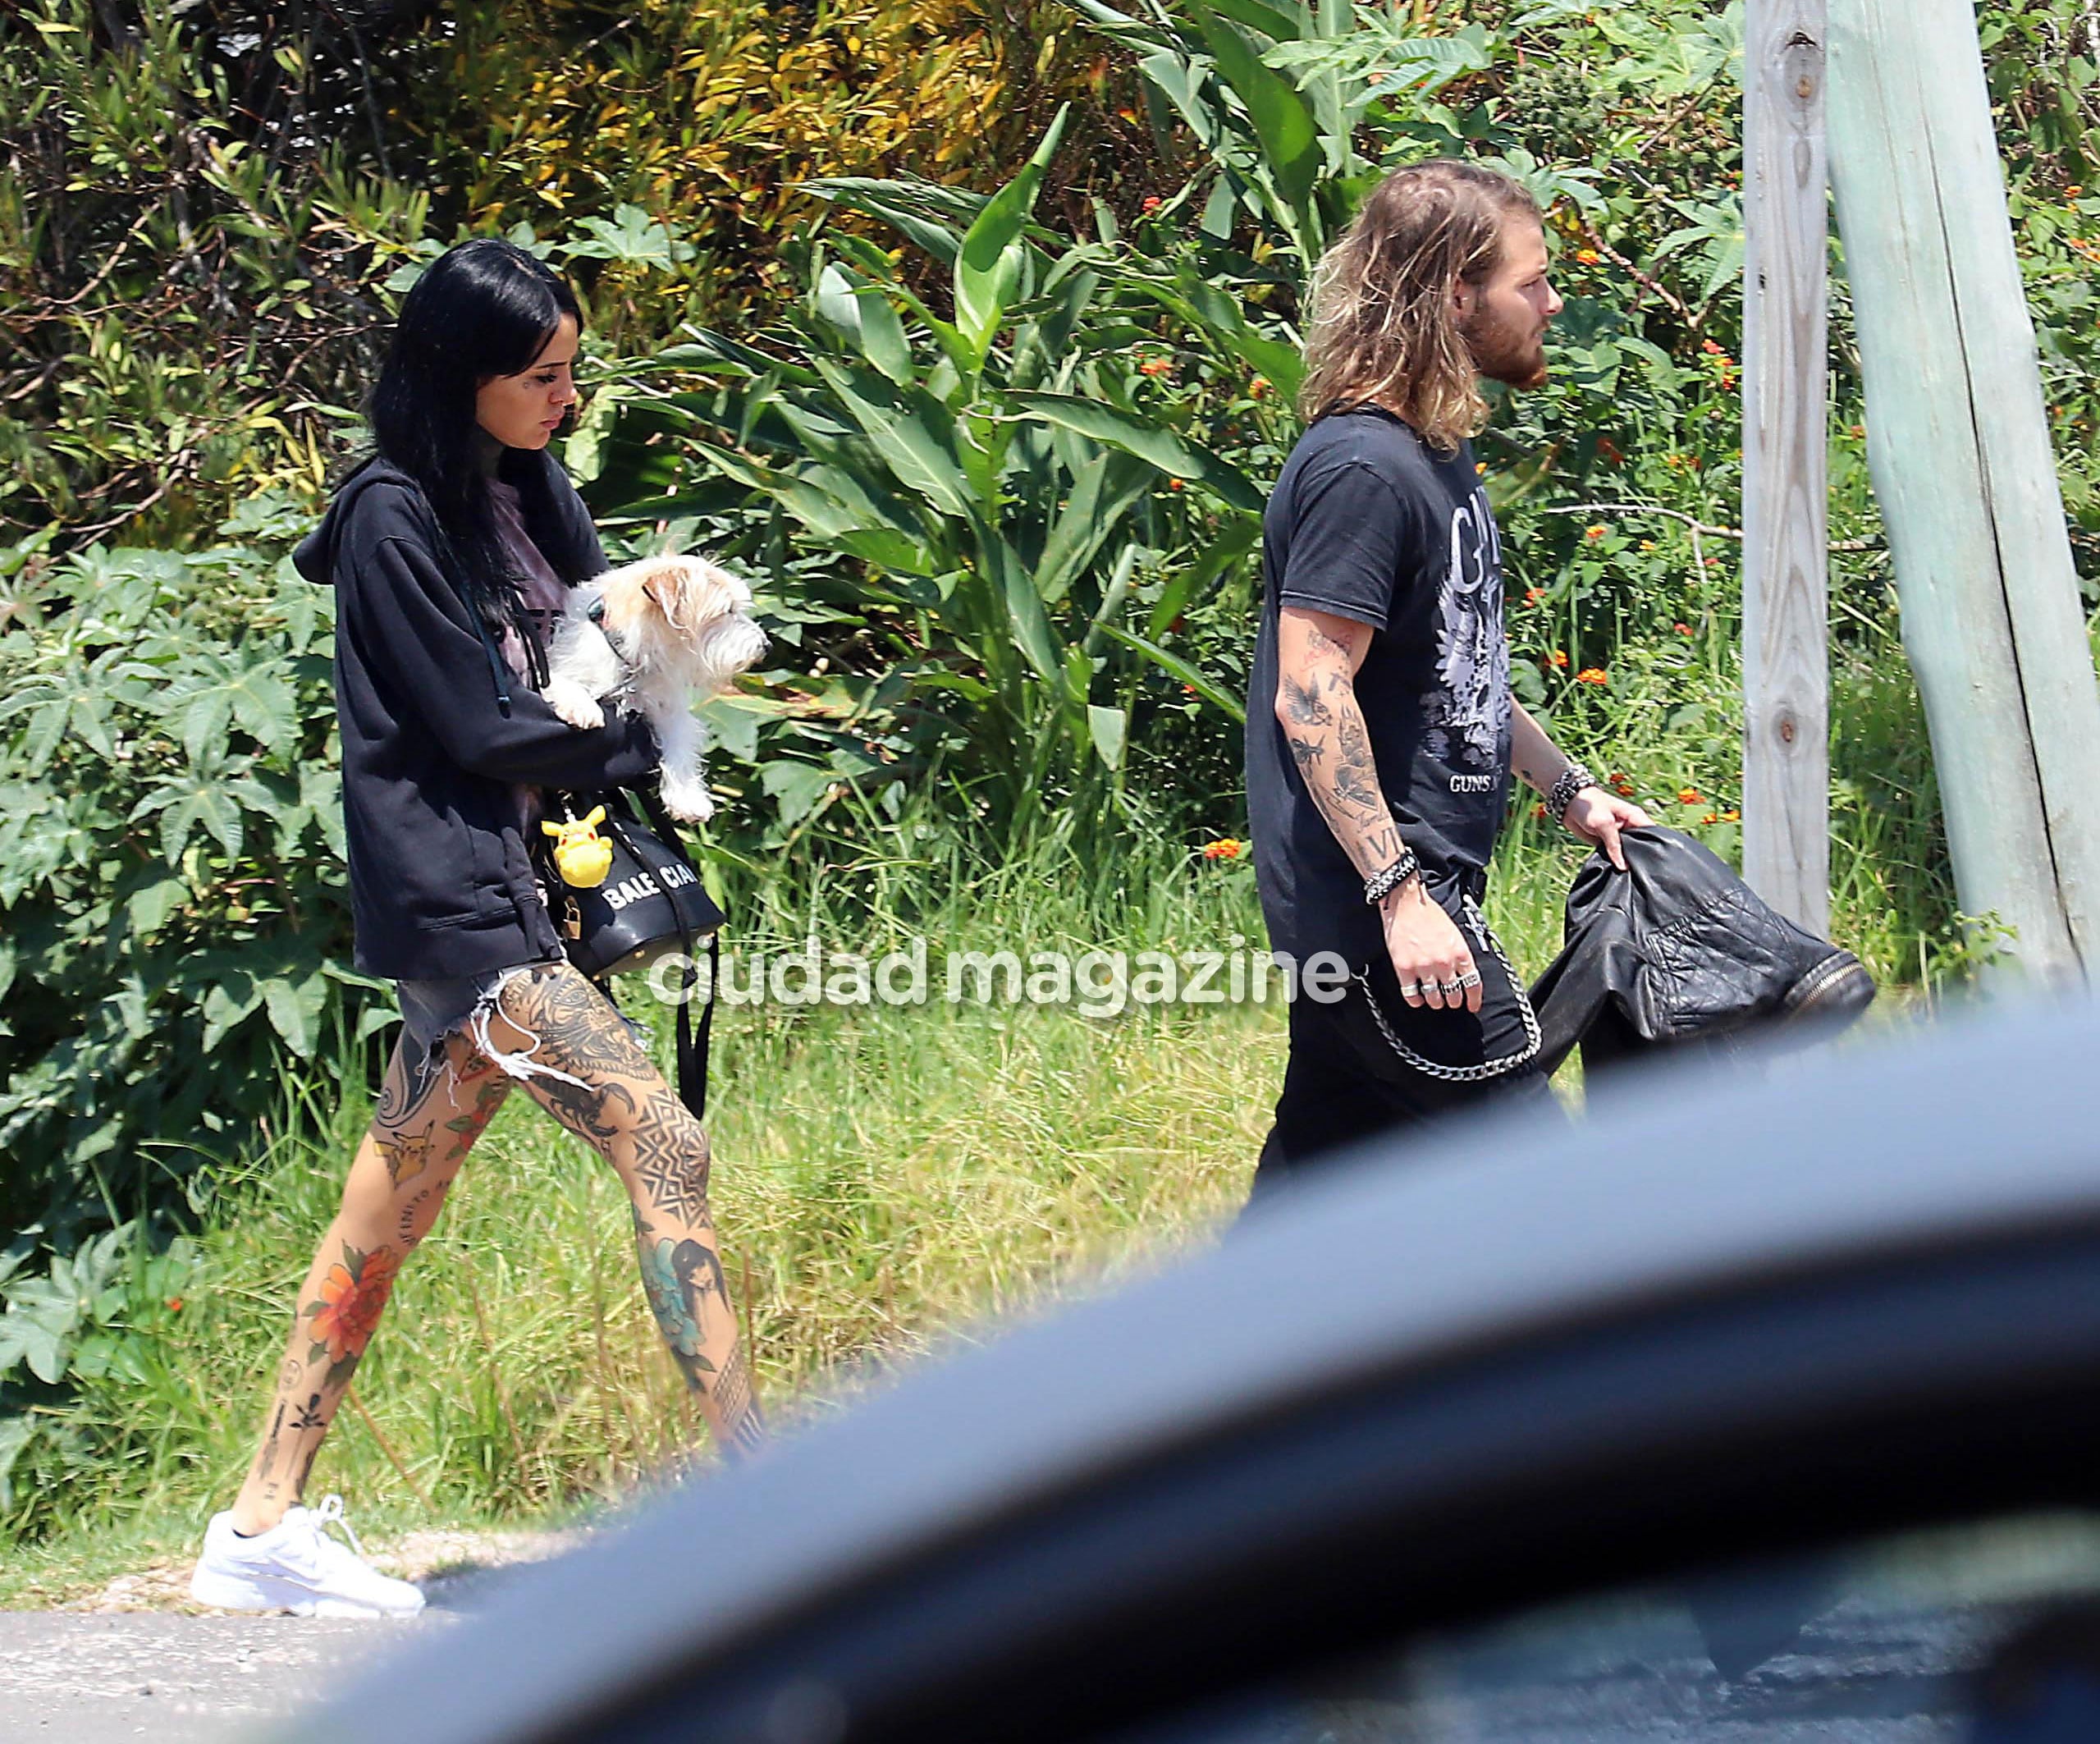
point(1487, 1068)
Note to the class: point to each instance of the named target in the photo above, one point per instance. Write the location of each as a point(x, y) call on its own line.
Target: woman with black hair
point(452, 550)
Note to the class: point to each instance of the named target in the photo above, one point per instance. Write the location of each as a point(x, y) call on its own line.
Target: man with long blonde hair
point(1381, 733)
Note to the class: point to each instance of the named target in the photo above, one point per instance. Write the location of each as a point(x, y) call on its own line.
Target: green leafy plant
point(1007, 498)
point(87, 1319)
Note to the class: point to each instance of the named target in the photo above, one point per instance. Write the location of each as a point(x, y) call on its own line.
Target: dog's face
point(674, 611)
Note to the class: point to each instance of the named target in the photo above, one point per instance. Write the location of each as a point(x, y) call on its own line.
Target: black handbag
point(650, 904)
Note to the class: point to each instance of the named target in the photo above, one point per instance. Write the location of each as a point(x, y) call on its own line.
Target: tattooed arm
point(1592, 814)
point(1318, 656)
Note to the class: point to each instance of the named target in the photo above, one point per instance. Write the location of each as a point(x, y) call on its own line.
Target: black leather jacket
point(1677, 949)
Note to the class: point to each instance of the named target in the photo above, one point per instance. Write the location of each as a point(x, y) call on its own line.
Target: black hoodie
point(440, 884)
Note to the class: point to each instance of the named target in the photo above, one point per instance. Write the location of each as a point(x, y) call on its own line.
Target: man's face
point(1502, 319)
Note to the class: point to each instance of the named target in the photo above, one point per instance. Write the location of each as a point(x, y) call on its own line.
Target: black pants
point(1350, 1076)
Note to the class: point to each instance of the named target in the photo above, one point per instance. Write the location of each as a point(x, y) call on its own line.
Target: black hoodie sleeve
point(413, 622)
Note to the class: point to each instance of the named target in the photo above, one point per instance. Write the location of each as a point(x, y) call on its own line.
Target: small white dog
point(659, 635)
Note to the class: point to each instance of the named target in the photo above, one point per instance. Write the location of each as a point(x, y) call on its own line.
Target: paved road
point(178, 1680)
point(105, 1676)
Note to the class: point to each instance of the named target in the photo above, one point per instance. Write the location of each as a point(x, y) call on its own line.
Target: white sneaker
point(296, 1567)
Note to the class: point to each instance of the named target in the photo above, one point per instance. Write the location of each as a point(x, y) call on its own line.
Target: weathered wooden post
point(1786, 462)
point(1958, 444)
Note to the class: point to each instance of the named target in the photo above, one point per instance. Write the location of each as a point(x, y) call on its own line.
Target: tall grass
point(882, 1173)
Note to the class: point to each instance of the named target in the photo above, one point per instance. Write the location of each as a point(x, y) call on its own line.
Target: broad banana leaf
point(913, 432)
point(1283, 122)
point(1156, 447)
point(1174, 667)
point(989, 264)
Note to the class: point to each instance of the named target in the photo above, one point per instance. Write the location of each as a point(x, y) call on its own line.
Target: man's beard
point(1504, 353)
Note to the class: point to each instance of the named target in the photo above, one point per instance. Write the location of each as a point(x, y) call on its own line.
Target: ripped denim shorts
point(434, 1011)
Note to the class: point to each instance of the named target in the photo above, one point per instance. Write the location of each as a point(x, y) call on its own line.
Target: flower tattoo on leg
point(352, 1296)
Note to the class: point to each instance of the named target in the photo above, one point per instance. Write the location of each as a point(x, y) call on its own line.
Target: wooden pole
point(1786, 462)
point(1958, 444)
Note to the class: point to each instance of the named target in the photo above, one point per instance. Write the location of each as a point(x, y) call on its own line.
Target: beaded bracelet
point(1561, 794)
point(1382, 884)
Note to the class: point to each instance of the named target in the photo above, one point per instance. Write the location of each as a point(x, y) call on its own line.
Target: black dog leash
point(692, 1049)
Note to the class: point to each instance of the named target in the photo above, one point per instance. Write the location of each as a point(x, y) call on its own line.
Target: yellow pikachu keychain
point(581, 855)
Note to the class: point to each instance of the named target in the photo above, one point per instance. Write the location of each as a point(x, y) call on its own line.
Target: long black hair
point(484, 309)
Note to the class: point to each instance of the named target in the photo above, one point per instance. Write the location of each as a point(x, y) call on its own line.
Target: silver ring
point(1411, 990)
point(1451, 987)
point(1470, 978)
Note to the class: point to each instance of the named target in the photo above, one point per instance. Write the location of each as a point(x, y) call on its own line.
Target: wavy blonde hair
point(1383, 326)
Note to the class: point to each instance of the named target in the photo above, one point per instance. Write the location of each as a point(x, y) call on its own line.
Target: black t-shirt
point(1368, 522)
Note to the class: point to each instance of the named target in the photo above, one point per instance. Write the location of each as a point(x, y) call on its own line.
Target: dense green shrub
point(176, 924)
point(201, 206)
point(194, 218)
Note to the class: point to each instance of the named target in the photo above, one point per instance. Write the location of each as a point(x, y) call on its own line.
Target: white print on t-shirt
point(1468, 714)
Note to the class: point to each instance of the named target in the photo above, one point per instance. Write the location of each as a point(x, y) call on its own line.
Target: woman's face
point(525, 411)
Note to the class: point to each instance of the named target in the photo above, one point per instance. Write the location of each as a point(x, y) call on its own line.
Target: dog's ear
point(669, 586)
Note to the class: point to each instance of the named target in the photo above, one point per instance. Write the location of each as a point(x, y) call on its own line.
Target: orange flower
point(175, 1304)
point(1732, 817)
point(1594, 533)
point(1173, 484)
point(1711, 817)
point(1532, 596)
point(1609, 449)
point(1259, 387)
point(352, 1296)
point(1558, 657)
point(1682, 629)
point(1588, 257)
point(1688, 796)
point(1592, 676)
point(1539, 810)
point(1151, 204)
point(1156, 366)
point(1710, 349)
point(1224, 848)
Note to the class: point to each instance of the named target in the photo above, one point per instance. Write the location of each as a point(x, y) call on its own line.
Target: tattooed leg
point(428, 1116)
point(619, 1103)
